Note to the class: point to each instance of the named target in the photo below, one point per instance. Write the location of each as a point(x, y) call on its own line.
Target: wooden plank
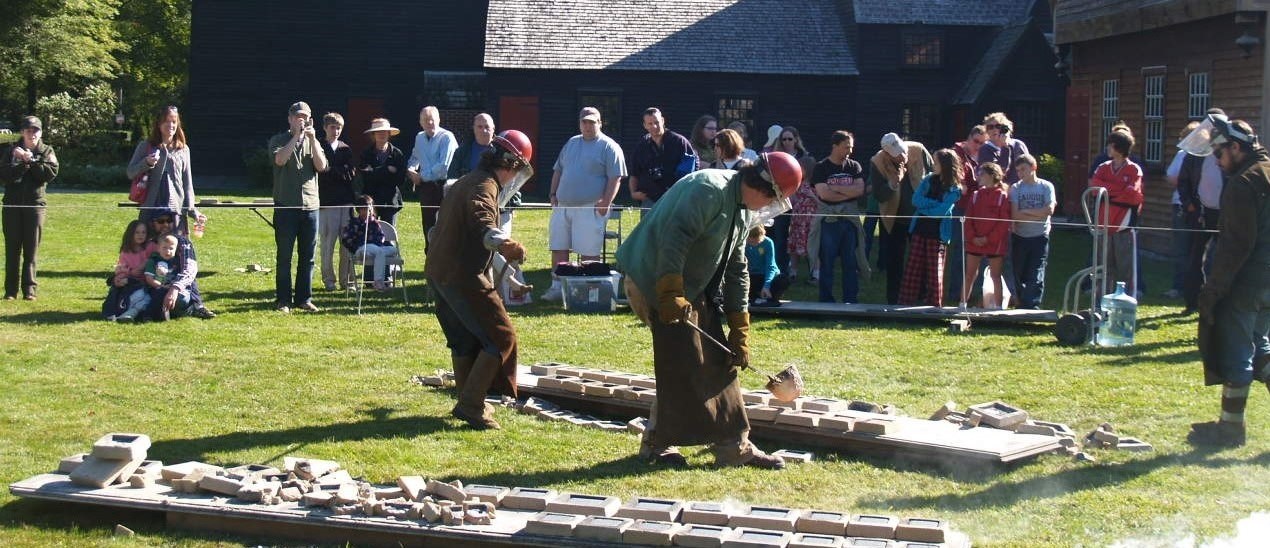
point(898, 312)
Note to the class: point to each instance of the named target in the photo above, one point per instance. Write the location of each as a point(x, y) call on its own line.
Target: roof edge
point(1131, 17)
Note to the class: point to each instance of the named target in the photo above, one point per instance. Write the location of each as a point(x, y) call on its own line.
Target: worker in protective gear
point(477, 329)
point(685, 262)
point(1234, 303)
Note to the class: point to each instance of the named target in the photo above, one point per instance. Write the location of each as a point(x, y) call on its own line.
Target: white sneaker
point(554, 293)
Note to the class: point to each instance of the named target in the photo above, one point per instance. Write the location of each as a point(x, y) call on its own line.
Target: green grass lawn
point(253, 385)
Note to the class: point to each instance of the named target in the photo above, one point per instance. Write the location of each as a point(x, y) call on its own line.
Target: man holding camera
point(25, 169)
point(297, 160)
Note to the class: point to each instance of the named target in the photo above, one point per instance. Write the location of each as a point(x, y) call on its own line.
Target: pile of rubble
point(1000, 415)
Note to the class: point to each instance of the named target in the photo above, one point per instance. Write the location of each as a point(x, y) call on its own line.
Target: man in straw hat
point(685, 264)
point(297, 160)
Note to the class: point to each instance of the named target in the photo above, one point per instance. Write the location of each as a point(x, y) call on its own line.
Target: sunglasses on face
point(787, 138)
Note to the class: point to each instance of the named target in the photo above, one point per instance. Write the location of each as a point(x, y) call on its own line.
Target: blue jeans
point(1240, 331)
point(294, 229)
point(1029, 256)
point(838, 238)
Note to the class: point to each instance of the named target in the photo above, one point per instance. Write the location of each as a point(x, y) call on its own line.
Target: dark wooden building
point(1157, 65)
point(925, 69)
point(931, 70)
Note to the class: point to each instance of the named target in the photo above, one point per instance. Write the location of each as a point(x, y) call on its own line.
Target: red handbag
point(139, 189)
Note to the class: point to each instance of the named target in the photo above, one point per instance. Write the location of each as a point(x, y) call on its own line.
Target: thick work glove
point(672, 307)
point(738, 338)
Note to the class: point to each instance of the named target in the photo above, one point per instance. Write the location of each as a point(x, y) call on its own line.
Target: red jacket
point(988, 216)
point(1124, 191)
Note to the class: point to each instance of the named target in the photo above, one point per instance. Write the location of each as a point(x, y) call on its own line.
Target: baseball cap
point(589, 113)
point(300, 106)
point(31, 121)
point(893, 145)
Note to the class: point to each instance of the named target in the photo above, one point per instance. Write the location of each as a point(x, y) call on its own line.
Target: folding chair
point(614, 214)
point(396, 266)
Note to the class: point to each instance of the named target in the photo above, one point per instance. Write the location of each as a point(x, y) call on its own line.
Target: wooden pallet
point(897, 312)
point(918, 439)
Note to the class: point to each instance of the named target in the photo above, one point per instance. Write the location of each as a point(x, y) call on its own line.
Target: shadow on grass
point(377, 426)
point(1068, 481)
point(54, 316)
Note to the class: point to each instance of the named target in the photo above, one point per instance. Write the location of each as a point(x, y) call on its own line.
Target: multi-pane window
point(609, 103)
point(736, 109)
point(1153, 115)
point(1110, 107)
point(920, 123)
point(1197, 102)
point(454, 89)
point(922, 48)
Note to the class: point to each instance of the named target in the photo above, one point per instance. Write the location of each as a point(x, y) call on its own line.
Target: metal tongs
point(784, 386)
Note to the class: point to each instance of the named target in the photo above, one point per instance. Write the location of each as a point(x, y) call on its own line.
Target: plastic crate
point(591, 293)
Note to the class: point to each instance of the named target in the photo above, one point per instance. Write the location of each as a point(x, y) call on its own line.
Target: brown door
point(360, 111)
point(1076, 143)
point(521, 113)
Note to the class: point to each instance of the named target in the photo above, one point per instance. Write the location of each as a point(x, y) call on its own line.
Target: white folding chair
point(396, 266)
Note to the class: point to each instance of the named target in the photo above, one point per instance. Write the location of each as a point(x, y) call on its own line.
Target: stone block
point(222, 484)
point(943, 411)
point(824, 405)
point(1133, 444)
point(527, 498)
point(544, 369)
point(478, 512)
point(182, 485)
point(910, 544)
point(333, 478)
point(765, 517)
point(804, 418)
point(871, 525)
point(651, 509)
point(569, 371)
point(610, 426)
point(389, 493)
point(637, 425)
point(290, 494)
point(68, 464)
point(796, 405)
point(600, 389)
point(98, 472)
point(757, 397)
point(248, 471)
point(586, 505)
point(1103, 438)
point(259, 491)
point(415, 487)
point(761, 412)
point(346, 493)
point(601, 528)
point(647, 395)
point(577, 419)
point(551, 381)
point(1035, 429)
point(706, 513)
point(959, 326)
point(552, 524)
point(811, 540)
point(181, 470)
point(877, 425)
point(140, 482)
point(317, 498)
point(837, 423)
point(452, 491)
point(651, 532)
point(149, 468)
point(120, 446)
point(999, 414)
point(1059, 428)
point(822, 522)
point(492, 494)
point(557, 415)
point(871, 542)
point(757, 538)
point(703, 536)
point(922, 530)
point(453, 514)
point(644, 381)
point(572, 385)
point(595, 374)
point(309, 469)
point(620, 378)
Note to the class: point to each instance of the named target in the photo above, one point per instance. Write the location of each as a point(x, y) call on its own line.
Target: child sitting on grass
point(767, 284)
point(128, 294)
point(157, 275)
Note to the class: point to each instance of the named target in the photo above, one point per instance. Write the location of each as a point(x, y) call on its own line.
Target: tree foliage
point(155, 68)
point(58, 45)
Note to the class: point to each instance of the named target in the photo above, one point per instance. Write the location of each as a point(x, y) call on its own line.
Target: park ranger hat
point(31, 121)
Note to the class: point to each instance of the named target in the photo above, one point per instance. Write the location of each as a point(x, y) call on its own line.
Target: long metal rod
point(725, 348)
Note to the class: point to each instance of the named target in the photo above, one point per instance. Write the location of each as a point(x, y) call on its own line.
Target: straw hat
point(381, 124)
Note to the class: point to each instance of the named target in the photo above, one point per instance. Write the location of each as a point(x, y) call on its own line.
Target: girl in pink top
point(987, 230)
point(127, 290)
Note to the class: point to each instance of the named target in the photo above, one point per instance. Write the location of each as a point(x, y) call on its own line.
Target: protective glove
point(738, 338)
point(512, 250)
point(1207, 306)
point(672, 307)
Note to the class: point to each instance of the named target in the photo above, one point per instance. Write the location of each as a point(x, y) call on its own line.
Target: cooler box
point(591, 293)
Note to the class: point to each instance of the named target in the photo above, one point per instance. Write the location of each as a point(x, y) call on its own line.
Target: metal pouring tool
point(786, 385)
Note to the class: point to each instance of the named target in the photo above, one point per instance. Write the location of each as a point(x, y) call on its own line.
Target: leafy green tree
point(155, 68)
point(55, 45)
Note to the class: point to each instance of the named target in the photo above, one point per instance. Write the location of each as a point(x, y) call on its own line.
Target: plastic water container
point(1122, 316)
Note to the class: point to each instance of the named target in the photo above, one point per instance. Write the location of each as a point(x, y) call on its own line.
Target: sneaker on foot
point(553, 293)
point(281, 307)
point(1217, 434)
point(202, 313)
point(308, 306)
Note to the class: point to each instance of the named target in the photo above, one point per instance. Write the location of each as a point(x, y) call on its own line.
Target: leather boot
point(462, 367)
point(471, 407)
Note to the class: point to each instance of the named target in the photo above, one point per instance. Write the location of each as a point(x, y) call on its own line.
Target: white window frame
point(1153, 115)
point(1199, 94)
point(1110, 108)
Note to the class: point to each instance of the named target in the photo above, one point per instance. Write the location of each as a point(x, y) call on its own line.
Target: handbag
point(140, 185)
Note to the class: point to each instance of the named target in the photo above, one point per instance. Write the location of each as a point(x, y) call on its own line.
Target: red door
point(1076, 143)
point(521, 113)
point(360, 111)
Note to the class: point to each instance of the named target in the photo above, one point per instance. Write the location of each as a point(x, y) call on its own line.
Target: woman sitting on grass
point(127, 296)
point(363, 237)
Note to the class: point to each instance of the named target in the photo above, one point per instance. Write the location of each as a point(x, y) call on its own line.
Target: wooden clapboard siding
point(1236, 85)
